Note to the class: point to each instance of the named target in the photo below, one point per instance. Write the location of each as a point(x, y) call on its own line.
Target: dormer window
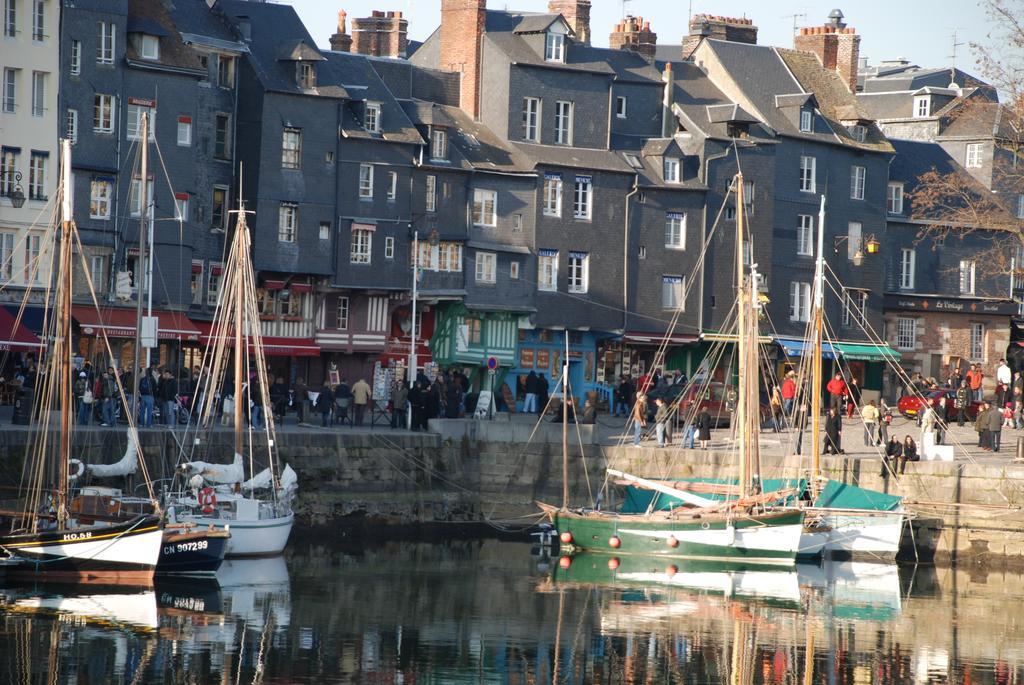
point(922, 106)
point(371, 122)
point(439, 144)
point(148, 46)
point(806, 121)
point(307, 75)
point(738, 129)
point(671, 170)
point(554, 47)
point(859, 132)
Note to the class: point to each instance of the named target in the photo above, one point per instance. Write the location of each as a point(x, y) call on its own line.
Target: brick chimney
point(577, 14)
point(633, 33)
point(836, 45)
point(733, 29)
point(462, 25)
point(382, 34)
point(341, 41)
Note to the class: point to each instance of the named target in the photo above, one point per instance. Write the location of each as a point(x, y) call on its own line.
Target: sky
point(919, 30)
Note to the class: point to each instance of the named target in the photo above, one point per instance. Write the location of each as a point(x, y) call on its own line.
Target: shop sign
point(526, 358)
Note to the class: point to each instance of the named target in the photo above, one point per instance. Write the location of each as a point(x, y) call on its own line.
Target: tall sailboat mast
point(62, 345)
point(140, 265)
point(819, 299)
point(239, 338)
point(565, 426)
point(741, 345)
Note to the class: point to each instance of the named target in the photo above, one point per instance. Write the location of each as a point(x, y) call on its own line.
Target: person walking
point(704, 427)
point(83, 393)
point(360, 398)
point(869, 414)
point(300, 396)
point(325, 403)
point(837, 391)
point(788, 391)
point(108, 388)
point(892, 456)
point(833, 432)
point(995, 427)
point(255, 397)
point(279, 399)
point(852, 397)
point(342, 402)
point(399, 400)
point(542, 393)
point(639, 417)
point(981, 426)
point(418, 405)
point(776, 407)
point(530, 386)
point(146, 400)
point(800, 424)
point(661, 418)
point(961, 401)
point(885, 419)
point(169, 399)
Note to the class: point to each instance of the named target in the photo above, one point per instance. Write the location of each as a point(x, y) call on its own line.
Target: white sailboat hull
point(260, 537)
point(851, 533)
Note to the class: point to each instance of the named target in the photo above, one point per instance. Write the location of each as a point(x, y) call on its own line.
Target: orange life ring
point(207, 500)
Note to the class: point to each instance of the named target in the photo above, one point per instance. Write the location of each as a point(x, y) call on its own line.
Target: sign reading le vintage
point(947, 305)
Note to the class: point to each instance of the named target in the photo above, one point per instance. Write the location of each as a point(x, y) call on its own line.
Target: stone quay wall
point(963, 512)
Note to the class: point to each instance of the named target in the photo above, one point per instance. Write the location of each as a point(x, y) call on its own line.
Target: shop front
point(637, 354)
point(542, 351)
point(174, 333)
point(287, 357)
point(399, 344)
point(467, 336)
point(867, 362)
point(352, 330)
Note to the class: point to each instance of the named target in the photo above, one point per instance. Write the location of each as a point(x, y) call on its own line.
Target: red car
point(718, 399)
point(910, 405)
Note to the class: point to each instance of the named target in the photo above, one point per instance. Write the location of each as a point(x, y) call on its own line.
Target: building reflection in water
point(482, 612)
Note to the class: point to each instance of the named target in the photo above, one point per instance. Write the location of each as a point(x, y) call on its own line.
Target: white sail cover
point(289, 480)
point(126, 466)
point(217, 473)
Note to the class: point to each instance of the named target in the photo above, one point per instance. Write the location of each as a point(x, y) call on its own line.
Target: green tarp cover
point(846, 496)
point(867, 352)
point(638, 499)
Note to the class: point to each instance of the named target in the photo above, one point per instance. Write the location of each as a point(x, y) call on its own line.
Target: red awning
point(638, 338)
point(301, 288)
point(273, 284)
point(14, 336)
point(120, 323)
point(272, 346)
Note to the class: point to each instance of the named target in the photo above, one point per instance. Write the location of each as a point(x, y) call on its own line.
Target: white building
point(29, 130)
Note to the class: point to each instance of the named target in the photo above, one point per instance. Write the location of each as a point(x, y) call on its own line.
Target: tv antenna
point(955, 46)
point(795, 17)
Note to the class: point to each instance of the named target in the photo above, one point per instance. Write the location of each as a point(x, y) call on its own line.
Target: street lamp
point(15, 192)
point(870, 245)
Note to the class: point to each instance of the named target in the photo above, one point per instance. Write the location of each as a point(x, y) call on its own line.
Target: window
point(98, 273)
point(799, 301)
point(675, 231)
point(966, 276)
point(513, 270)
point(563, 123)
point(854, 243)
point(907, 260)
point(485, 204)
point(807, 169)
point(854, 307)
point(222, 137)
point(329, 157)
point(486, 263)
point(922, 106)
point(547, 270)
point(805, 235)
point(392, 185)
point(389, 247)
point(806, 121)
point(105, 42)
point(307, 75)
point(149, 47)
point(859, 132)
point(38, 20)
point(135, 197)
point(76, 58)
point(973, 160)
point(517, 222)
point(10, 89)
point(8, 165)
point(438, 144)
point(977, 342)
point(554, 47)
point(579, 268)
point(641, 252)
point(620, 107)
point(103, 114)
point(671, 170)
point(181, 206)
point(11, 18)
point(475, 330)
point(371, 122)
point(894, 199)
point(365, 181)
point(1020, 206)
point(99, 198)
point(219, 213)
point(287, 222)
point(552, 194)
point(32, 261)
point(445, 256)
point(38, 93)
point(857, 176)
point(133, 120)
point(748, 196)
point(906, 333)
point(362, 242)
point(226, 71)
point(213, 285)
point(531, 119)
point(341, 314)
point(291, 148)
point(672, 292)
point(431, 200)
point(6, 256)
point(37, 175)
point(71, 125)
point(747, 254)
point(730, 214)
point(582, 200)
point(184, 131)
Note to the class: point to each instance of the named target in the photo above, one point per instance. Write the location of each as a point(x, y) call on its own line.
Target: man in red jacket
point(788, 393)
point(837, 391)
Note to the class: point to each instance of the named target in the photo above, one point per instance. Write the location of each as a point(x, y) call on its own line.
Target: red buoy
point(566, 538)
point(672, 542)
point(671, 570)
point(614, 542)
point(613, 563)
point(565, 562)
